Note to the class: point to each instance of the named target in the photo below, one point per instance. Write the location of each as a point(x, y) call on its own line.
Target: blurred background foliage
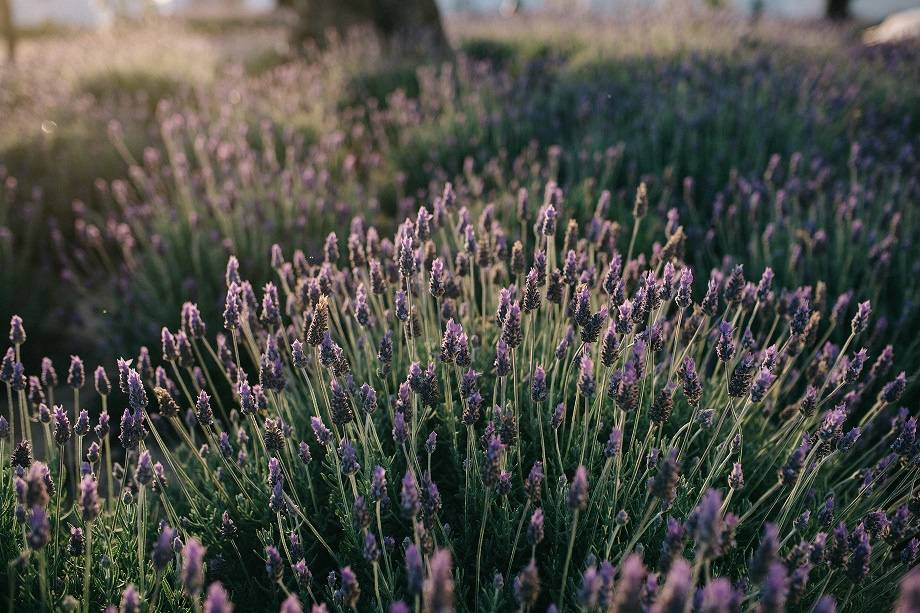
point(136, 157)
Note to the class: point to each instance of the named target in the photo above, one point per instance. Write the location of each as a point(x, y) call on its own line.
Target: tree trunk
point(416, 21)
point(9, 30)
point(838, 9)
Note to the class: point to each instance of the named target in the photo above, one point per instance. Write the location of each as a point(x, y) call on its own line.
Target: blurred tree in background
point(418, 21)
point(6, 26)
point(838, 9)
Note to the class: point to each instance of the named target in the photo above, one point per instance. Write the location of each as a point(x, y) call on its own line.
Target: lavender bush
point(474, 415)
point(677, 101)
point(641, 340)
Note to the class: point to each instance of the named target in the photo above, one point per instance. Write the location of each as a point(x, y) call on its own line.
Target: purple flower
point(909, 597)
point(168, 344)
point(712, 533)
point(371, 550)
point(527, 585)
point(724, 347)
point(533, 484)
point(232, 307)
point(735, 285)
point(511, 329)
point(827, 604)
point(893, 390)
point(192, 566)
point(302, 573)
point(660, 411)
point(203, 412)
point(858, 563)
point(502, 359)
point(228, 529)
point(408, 262)
point(360, 307)
point(298, 356)
point(762, 384)
point(77, 543)
point(6, 366)
point(62, 430)
point(774, 589)
point(855, 366)
point(676, 591)
point(690, 382)
point(144, 472)
point(710, 303)
point(39, 528)
point(736, 477)
point(340, 404)
point(291, 604)
point(535, 527)
point(409, 496)
point(861, 319)
point(578, 490)
point(320, 431)
point(789, 473)
point(849, 439)
point(629, 588)
point(130, 601)
point(274, 566)
point(431, 442)
point(590, 588)
point(530, 300)
point(558, 416)
point(17, 331)
point(100, 379)
point(438, 588)
point(800, 317)
point(400, 429)
point(217, 601)
point(586, 383)
point(490, 469)
point(766, 554)
point(538, 389)
point(271, 311)
point(614, 443)
point(415, 571)
point(18, 377)
point(548, 224)
point(672, 544)
point(718, 596)
point(830, 429)
point(81, 428)
point(349, 458)
point(379, 484)
point(191, 321)
point(664, 484)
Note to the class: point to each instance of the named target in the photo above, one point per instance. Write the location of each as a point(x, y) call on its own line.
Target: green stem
point(568, 560)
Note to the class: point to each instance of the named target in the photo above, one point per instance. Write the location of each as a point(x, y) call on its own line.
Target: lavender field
point(582, 313)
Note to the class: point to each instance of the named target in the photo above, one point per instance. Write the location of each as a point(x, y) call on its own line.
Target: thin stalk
point(482, 531)
point(87, 566)
point(568, 559)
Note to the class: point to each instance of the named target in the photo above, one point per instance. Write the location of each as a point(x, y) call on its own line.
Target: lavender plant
point(475, 414)
point(249, 156)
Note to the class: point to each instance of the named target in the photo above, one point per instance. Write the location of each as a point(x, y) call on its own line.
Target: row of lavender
point(257, 160)
point(476, 415)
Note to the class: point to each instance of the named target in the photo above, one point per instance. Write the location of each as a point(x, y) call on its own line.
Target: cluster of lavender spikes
point(470, 416)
